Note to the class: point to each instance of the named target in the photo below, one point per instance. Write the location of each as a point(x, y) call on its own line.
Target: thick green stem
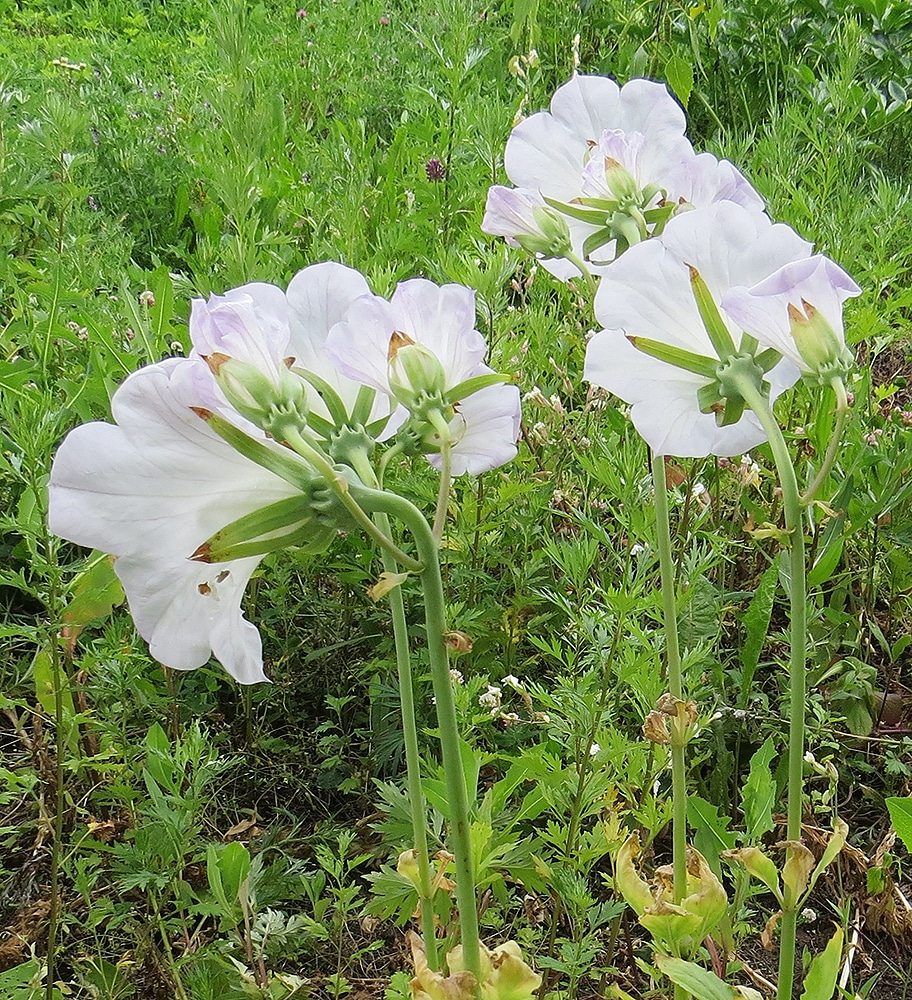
point(457, 794)
point(417, 806)
point(675, 686)
point(791, 502)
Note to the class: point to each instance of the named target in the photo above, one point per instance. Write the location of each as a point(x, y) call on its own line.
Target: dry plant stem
point(791, 502)
point(675, 686)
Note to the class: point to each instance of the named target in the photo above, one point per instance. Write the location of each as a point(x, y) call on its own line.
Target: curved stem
point(591, 280)
point(341, 488)
point(791, 502)
point(842, 410)
point(378, 501)
point(675, 686)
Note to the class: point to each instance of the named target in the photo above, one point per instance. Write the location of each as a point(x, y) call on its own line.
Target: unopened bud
point(415, 372)
point(821, 347)
point(256, 396)
point(620, 180)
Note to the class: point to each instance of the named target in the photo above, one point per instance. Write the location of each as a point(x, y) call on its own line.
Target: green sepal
point(320, 425)
point(731, 413)
point(710, 398)
point(328, 394)
point(282, 463)
point(748, 345)
point(598, 239)
point(595, 211)
point(281, 514)
point(308, 536)
point(473, 385)
point(364, 403)
point(677, 356)
point(768, 359)
point(718, 332)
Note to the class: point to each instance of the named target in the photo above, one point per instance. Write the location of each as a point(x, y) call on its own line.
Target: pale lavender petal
point(542, 154)
point(442, 319)
point(647, 106)
point(586, 105)
point(762, 310)
point(508, 213)
point(189, 612)
point(704, 180)
point(320, 296)
point(249, 323)
point(359, 345)
point(489, 423)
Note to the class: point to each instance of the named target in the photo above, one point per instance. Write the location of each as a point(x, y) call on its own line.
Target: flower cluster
point(247, 445)
point(700, 295)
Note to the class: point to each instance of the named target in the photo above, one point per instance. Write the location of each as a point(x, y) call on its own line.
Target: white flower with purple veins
point(798, 311)
point(667, 333)
point(422, 349)
point(615, 163)
point(188, 514)
point(151, 489)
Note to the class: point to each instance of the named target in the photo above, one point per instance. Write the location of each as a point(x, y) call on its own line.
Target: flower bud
point(256, 396)
point(620, 180)
point(526, 221)
point(821, 347)
point(415, 373)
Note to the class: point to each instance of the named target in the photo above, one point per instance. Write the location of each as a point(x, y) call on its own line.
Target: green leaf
point(700, 983)
point(820, 981)
point(711, 833)
point(901, 818)
point(758, 795)
point(96, 592)
point(756, 625)
point(680, 76)
point(234, 863)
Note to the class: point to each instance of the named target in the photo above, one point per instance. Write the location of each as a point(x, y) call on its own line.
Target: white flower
point(150, 489)
point(621, 145)
point(647, 293)
point(491, 698)
point(440, 320)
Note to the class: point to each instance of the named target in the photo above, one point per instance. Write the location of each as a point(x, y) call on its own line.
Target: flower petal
point(489, 423)
point(160, 480)
point(188, 612)
point(763, 309)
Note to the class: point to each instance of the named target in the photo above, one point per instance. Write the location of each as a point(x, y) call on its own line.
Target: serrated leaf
point(901, 817)
point(711, 833)
point(680, 76)
point(756, 625)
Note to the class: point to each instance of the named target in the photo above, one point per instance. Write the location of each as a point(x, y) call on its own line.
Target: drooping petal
point(664, 407)
point(763, 310)
point(359, 345)
point(704, 180)
point(151, 489)
point(488, 422)
point(159, 479)
point(189, 612)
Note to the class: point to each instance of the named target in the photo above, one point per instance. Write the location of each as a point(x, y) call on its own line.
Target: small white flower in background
point(491, 699)
point(146, 298)
point(594, 750)
point(808, 915)
point(637, 549)
point(456, 676)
